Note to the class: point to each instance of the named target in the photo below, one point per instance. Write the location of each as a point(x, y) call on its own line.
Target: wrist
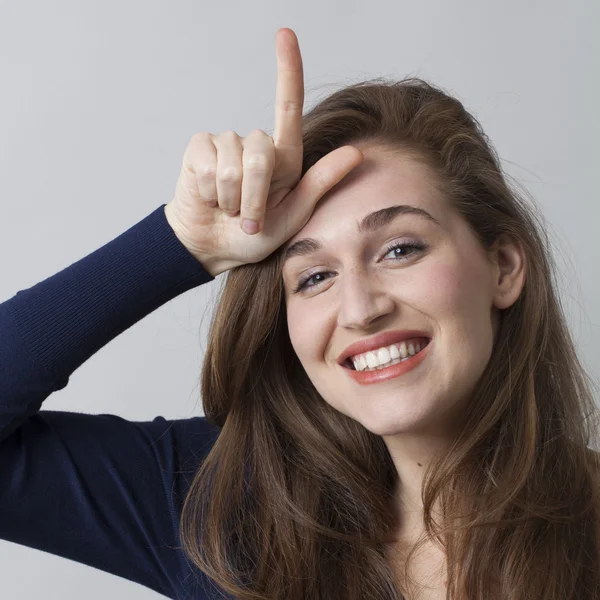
point(211, 264)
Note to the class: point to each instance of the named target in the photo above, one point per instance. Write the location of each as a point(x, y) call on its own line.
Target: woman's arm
point(97, 489)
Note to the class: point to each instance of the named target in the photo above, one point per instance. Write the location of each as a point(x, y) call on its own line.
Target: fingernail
point(249, 226)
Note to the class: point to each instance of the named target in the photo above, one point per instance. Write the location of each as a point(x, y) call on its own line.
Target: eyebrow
point(369, 224)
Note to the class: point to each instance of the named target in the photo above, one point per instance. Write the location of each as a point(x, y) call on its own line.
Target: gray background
point(99, 101)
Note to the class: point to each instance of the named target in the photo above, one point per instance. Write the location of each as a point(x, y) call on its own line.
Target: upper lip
point(383, 339)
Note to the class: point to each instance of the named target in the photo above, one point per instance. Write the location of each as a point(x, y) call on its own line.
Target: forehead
point(384, 178)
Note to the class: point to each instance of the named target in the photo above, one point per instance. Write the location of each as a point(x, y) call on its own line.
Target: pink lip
point(368, 377)
point(383, 339)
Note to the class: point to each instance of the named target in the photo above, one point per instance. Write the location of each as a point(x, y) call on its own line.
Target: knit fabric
point(96, 488)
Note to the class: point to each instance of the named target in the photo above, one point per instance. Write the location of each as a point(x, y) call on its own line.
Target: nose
point(362, 300)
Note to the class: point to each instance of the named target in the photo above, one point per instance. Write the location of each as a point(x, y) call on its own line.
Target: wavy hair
point(294, 500)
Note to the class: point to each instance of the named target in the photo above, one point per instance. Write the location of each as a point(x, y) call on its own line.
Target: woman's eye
point(303, 284)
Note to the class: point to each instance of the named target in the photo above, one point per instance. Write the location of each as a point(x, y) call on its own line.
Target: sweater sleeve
point(97, 489)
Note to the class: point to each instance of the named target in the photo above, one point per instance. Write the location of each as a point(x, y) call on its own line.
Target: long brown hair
point(294, 500)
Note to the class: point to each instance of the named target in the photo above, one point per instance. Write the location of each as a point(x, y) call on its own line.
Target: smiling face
point(447, 289)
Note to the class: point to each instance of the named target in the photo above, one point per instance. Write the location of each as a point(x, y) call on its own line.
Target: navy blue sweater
point(98, 489)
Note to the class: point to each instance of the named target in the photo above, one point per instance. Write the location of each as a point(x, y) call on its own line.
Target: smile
point(391, 371)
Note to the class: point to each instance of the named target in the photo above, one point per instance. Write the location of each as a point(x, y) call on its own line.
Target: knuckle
point(230, 134)
point(258, 132)
point(291, 105)
point(206, 171)
point(230, 173)
point(320, 179)
point(257, 162)
point(252, 209)
point(188, 167)
point(201, 136)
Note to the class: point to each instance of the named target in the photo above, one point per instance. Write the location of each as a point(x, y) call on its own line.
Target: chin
point(384, 424)
point(385, 427)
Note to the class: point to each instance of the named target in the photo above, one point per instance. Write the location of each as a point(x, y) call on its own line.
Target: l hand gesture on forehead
point(227, 181)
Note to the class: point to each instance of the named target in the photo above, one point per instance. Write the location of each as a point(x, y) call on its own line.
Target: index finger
point(289, 101)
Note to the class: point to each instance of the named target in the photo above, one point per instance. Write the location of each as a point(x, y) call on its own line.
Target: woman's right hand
point(226, 179)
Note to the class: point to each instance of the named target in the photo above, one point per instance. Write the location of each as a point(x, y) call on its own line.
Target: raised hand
point(226, 180)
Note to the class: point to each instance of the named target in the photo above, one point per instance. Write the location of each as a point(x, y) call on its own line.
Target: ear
point(509, 259)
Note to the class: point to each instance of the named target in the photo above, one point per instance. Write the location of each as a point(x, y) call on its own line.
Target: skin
point(449, 290)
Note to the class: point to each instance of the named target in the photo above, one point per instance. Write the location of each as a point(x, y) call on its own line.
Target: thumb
point(317, 181)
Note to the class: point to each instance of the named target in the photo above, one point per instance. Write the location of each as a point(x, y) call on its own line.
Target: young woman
point(394, 403)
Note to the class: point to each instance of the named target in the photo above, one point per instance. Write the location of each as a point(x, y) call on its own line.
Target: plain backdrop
point(100, 98)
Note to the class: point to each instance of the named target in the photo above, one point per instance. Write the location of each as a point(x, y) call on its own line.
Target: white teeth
point(381, 357)
point(372, 360)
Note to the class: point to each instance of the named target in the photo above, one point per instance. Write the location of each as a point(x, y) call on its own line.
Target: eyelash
point(417, 246)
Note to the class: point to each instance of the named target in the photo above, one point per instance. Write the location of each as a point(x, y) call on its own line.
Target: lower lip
point(368, 377)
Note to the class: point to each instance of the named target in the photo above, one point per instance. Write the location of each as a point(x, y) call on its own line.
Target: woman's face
point(447, 289)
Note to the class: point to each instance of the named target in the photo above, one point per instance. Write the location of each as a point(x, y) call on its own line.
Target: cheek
point(459, 301)
point(301, 329)
point(455, 289)
point(440, 291)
